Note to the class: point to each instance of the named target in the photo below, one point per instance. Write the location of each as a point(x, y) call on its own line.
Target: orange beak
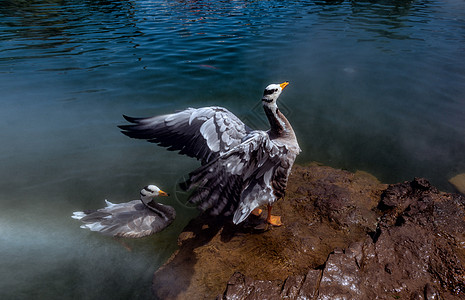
point(284, 84)
point(161, 193)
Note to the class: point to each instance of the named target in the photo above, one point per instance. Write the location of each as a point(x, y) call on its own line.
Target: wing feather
point(241, 179)
point(131, 219)
point(204, 133)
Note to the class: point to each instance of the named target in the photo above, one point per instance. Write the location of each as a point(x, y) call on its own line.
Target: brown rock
point(309, 288)
point(242, 287)
point(346, 236)
point(341, 278)
point(292, 287)
point(458, 182)
point(417, 257)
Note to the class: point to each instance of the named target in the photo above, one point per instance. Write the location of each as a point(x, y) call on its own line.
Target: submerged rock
point(346, 236)
point(458, 182)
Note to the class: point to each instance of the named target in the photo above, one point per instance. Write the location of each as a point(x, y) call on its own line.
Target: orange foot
point(257, 212)
point(274, 220)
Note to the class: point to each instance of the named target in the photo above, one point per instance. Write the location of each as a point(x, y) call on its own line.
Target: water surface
point(375, 85)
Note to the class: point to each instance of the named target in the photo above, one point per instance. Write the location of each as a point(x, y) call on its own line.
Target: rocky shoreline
point(345, 236)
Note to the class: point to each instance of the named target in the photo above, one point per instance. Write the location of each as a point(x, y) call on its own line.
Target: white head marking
point(271, 94)
point(148, 193)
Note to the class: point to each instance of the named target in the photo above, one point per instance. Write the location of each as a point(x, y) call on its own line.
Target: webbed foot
point(257, 212)
point(274, 220)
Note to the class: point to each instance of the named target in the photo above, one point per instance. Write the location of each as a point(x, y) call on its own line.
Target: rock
point(340, 278)
point(292, 287)
point(210, 250)
point(242, 287)
point(346, 236)
point(458, 182)
point(309, 287)
point(418, 258)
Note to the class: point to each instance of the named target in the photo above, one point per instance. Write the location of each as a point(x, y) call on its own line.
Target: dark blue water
point(375, 86)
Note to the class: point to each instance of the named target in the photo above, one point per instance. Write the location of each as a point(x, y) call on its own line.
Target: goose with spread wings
point(241, 169)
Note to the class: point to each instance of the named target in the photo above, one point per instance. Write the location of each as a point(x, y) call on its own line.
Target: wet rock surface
point(458, 182)
point(346, 236)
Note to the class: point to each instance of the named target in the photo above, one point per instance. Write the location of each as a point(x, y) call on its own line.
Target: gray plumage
point(134, 219)
point(203, 133)
point(242, 168)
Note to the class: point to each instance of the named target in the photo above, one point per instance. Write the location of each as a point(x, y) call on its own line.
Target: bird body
point(131, 219)
point(242, 168)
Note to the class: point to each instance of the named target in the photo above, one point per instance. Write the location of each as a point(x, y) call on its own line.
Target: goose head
point(272, 92)
point(148, 193)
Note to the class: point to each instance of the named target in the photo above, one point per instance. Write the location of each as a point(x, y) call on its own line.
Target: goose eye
point(269, 92)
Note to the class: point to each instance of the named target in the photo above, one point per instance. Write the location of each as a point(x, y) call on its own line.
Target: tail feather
point(78, 215)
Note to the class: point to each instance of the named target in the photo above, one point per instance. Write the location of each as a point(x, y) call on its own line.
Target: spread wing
point(130, 219)
point(251, 174)
point(203, 133)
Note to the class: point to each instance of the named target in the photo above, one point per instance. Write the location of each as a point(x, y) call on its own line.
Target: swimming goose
point(132, 219)
point(242, 169)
